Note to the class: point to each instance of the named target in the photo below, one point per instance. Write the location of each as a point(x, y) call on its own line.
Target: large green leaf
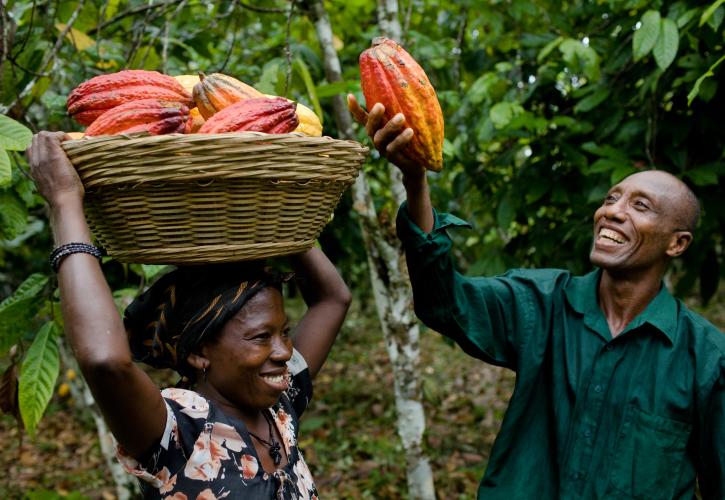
point(668, 41)
point(6, 173)
point(31, 287)
point(38, 375)
point(13, 216)
point(645, 37)
point(709, 73)
point(17, 312)
point(13, 135)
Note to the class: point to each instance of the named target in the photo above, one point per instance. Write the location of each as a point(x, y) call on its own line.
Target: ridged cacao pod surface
point(146, 115)
point(389, 75)
point(92, 98)
point(310, 123)
point(217, 91)
point(271, 115)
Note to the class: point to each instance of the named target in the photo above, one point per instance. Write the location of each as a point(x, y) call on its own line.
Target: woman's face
point(248, 360)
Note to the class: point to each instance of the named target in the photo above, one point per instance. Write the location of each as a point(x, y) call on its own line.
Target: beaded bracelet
point(61, 252)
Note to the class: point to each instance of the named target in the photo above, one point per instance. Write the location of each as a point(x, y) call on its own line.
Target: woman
point(223, 328)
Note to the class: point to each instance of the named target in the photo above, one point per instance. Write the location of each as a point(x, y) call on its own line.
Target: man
point(620, 389)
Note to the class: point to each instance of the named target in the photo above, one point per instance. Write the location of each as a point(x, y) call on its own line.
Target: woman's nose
point(281, 349)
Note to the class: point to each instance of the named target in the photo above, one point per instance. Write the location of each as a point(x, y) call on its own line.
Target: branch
point(132, 12)
point(287, 51)
point(264, 10)
point(51, 57)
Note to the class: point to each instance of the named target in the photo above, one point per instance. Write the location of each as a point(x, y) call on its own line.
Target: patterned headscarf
point(187, 306)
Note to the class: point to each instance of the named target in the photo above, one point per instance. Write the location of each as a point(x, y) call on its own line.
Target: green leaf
point(38, 375)
point(696, 88)
point(17, 312)
point(592, 101)
point(548, 48)
point(13, 135)
point(668, 41)
point(31, 287)
point(304, 72)
point(503, 112)
point(6, 173)
point(645, 37)
point(705, 175)
point(710, 11)
point(13, 216)
point(505, 214)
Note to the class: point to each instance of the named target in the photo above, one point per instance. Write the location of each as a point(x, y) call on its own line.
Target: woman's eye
point(640, 204)
point(610, 199)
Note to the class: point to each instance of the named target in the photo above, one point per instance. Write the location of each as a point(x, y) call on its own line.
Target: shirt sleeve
point(711, 469)
point(489, 318)
point(300, 388)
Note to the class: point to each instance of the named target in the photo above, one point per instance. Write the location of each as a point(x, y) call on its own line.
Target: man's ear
point(197, 361)
point(679, 243)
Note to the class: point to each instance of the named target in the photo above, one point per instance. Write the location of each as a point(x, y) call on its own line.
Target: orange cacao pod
point(145, 115)
point(390, 76)
point(92, 98)
point(218, 91)
point(273, 116)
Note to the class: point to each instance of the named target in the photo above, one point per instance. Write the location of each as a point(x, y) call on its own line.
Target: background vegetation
point(546, 104)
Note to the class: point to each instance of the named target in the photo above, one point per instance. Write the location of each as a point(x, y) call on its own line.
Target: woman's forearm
point(92, 322)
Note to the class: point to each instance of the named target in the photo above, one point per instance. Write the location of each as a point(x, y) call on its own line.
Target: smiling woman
point(229, 428)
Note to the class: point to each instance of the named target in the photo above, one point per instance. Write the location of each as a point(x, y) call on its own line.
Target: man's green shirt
point(640, 415)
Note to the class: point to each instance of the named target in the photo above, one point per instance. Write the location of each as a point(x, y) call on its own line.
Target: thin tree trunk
point(127, 486)
point(391, 288)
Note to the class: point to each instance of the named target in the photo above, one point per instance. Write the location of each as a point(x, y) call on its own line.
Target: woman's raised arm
point(327, 298)
point(129, 400)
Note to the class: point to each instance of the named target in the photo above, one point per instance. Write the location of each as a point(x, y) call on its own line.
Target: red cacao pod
point(92, 98)
point(389, 75)
point(145, 115)
point(271, 115)
point(218, 91)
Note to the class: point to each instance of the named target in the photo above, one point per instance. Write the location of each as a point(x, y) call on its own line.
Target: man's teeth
point(276, 379)
point(610, 235)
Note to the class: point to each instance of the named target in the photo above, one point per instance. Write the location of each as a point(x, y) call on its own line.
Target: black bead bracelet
point(61, 252)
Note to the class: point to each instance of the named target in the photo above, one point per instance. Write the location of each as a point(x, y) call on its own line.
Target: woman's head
point(188, 308)
point(245, 365)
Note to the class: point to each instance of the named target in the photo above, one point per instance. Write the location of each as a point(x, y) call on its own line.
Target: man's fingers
point(358, 113)
point(375, 120)
point(389, 132)
point(399, 142)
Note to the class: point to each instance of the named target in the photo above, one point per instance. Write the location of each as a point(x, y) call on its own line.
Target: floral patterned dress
point(207, 455)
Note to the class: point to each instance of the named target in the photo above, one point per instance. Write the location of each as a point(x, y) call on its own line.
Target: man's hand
point(389, 138)
point(55, 176)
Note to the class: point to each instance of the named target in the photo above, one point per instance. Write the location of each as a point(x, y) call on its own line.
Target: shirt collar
point(661, 312)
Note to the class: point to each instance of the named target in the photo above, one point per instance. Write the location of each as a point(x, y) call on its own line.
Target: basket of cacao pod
point(203, 169)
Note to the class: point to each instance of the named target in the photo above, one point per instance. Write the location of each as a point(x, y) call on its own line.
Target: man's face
point(635, 225)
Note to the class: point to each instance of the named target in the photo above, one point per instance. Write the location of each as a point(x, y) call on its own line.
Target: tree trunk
point(127, 486)
point(391, 288)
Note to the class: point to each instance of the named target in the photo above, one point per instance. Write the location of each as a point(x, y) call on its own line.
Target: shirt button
point(610, 347)
point(575, 475)
point(597, 388)
point(587, 433)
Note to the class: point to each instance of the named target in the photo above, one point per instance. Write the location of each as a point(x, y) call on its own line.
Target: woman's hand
point(55, 176)
point(389, 138)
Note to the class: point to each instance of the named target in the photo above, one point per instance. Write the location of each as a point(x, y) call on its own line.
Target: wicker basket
point(205, 198)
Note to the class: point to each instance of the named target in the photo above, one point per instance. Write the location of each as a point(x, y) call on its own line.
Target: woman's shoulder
point(188, 402)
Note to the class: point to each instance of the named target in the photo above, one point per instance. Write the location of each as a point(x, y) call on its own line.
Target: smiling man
point(620, 389)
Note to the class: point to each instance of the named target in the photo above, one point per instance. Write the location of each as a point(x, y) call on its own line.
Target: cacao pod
point(389, 75)
point(92, 98)
point(218, 91)
point(195, 118)
point(271, 115)
point(309, 121)
point(145, 115)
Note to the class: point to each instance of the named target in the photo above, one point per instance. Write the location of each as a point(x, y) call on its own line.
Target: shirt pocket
point(649, 455)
